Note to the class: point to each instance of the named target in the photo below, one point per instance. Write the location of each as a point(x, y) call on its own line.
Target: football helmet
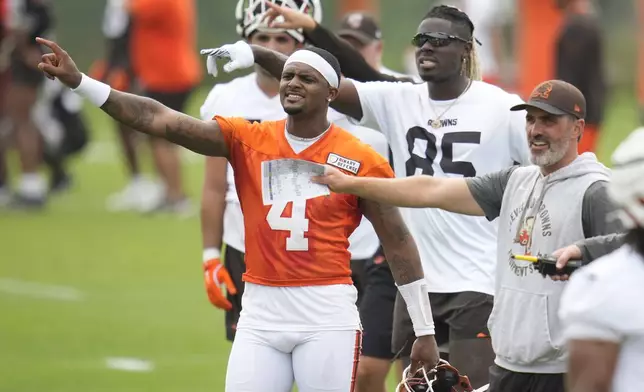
point(442, 378)
point(250, 15)
point(626, 187)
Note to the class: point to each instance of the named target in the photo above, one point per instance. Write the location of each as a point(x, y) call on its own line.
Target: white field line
point(129, 364)
point(39, 290)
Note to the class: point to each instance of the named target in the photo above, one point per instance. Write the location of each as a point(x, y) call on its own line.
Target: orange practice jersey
point(301, 243)
point(163, 44)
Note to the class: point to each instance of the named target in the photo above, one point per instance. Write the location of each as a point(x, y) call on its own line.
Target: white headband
point(317, 62)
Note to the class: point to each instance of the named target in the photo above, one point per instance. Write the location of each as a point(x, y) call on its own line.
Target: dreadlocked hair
point(471, 64)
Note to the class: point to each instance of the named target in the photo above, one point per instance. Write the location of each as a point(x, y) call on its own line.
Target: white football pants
point(324, 361)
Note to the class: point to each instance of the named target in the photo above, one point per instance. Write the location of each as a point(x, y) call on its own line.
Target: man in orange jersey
point(166, 66)
point(299, 321)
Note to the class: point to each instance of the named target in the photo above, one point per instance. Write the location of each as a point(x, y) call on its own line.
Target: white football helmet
point(250, 15)
point(627, 182)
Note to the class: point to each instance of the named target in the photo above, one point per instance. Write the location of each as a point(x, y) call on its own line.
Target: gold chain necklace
point(436, 123)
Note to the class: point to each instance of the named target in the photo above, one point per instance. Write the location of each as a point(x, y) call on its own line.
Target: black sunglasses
point(436, 40)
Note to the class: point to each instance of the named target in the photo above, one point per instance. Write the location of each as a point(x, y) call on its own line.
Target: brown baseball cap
point(556, 97)
point(360, 26)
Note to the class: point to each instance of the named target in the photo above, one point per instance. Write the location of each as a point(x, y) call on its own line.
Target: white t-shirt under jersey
point(603, 301)
point(479, 135)
point(242, 97)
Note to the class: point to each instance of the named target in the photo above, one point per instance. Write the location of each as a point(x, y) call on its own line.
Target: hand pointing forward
point(59, 64)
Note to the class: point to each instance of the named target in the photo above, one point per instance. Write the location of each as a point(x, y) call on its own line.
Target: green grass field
point(124, 285)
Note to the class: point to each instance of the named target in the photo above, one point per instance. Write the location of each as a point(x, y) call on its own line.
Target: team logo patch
point(542, 91)
point(343, 163)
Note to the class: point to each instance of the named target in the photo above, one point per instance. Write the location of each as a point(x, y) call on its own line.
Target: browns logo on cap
point(556, 97)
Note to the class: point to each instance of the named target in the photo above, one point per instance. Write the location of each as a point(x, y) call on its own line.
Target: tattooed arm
point(149, 116)
point(142, 114)
point(399, 246)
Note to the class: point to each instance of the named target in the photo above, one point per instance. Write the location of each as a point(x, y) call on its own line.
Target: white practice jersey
point(363, 242)
point(603, 301)
point(478, 134)
point(242, 97)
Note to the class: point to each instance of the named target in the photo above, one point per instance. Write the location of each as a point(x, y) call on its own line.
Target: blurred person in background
point(362, 31)
point(166, 66)
point(57, 115)
point(489, 17)
point(579, 61)
point(5, 52)
point(27, 20)
point(115, 69)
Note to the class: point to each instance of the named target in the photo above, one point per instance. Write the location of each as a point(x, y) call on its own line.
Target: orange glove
point(217, 275)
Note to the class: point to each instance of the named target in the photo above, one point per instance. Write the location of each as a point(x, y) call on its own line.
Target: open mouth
point(294, 97)
point(426, 63)
point(539, 145)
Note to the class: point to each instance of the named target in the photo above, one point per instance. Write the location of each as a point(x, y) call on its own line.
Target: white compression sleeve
point(94, 91)
point(416, 296)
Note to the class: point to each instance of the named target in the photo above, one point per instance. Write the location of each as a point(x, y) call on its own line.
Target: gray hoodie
point(537, 215)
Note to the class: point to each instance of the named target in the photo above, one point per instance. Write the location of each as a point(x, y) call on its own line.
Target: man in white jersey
point(452, 126)
point(601, 306)
point(255, 98)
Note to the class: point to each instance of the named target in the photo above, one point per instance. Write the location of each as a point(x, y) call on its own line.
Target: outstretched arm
point(352, 63)
point(151, 117)
point(142, 114)
point(450, 194)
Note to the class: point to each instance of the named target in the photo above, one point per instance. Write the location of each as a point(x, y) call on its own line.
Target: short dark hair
point(330, 58)
point(453, 15)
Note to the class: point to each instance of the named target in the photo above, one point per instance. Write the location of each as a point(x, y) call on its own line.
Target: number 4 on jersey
point(296, 224)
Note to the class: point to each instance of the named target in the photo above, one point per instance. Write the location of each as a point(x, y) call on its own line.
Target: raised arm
point(352, 63)
point(142, 114)
point(347, 101)
point(450, 194)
